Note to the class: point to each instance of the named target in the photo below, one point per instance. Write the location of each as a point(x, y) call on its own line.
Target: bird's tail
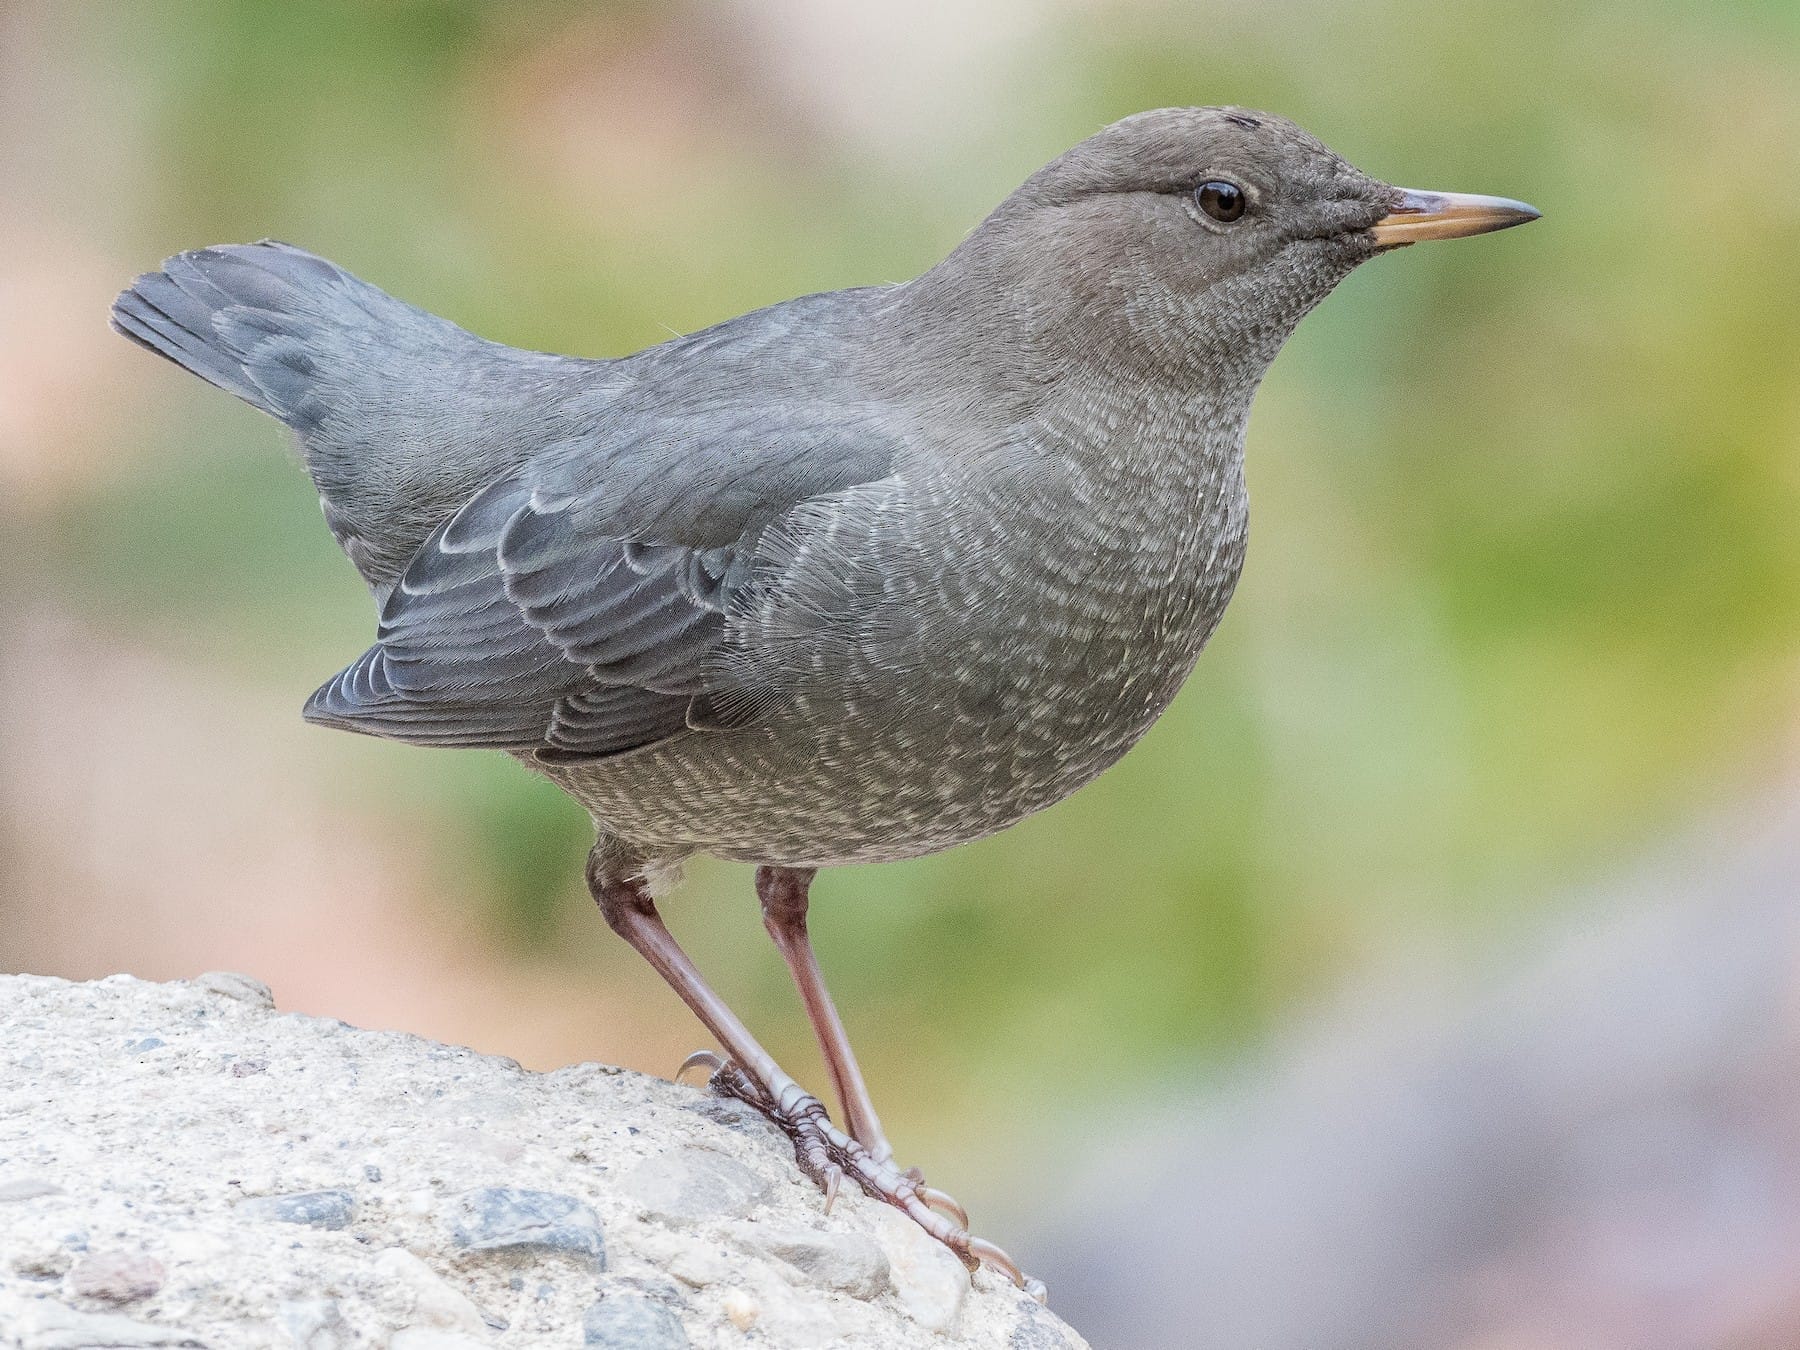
point(259, 321)
point(401, 415)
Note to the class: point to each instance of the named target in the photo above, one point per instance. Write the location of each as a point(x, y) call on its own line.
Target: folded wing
point(580, 618)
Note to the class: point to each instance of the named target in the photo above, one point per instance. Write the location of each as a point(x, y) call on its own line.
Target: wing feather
point(583, 618)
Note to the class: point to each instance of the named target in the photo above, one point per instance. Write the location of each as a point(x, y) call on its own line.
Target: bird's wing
point(576, 606)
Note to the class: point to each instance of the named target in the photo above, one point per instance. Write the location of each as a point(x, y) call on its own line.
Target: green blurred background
point(1522, 594)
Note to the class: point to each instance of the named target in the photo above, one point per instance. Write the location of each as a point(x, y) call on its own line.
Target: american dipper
point(856, 577)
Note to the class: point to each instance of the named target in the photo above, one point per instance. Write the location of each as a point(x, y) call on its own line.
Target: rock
point(632, 1322)
point(316, 1209)
point(689, 1185)
point(1035, 1333)
point(434, 1302)
point(313, 1324)
point(928, 1280)
point(41, 1261)
point(851, 1263)
point(742, 1310)
point(27, 1188)
point(375, 1191)
point(698, 1265)
point(43, 1324)
point(734, 1115)
point(517, 1221)
point(116, 1277)
point(429, 1338)
point(243, 988)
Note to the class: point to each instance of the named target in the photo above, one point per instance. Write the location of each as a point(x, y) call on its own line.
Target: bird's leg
point(783, 892)
point(750, 1073)
point(629, 911)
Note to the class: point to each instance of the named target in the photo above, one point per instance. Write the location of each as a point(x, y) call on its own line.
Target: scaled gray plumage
point(855, 577)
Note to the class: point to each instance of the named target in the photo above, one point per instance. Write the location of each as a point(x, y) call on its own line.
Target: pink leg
point(823, 1151)
point(783, 892)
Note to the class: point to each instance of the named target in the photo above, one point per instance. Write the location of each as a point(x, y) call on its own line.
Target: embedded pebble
point(44, 1324)
point(315, 1209)
point(928, 1280)
point(313, 1324)
point(851, 1263)
point(698, 1266)
point(1036, 1332)
point(27, 1188)
point(116, 1277)
point(41, 1261)
point(632, 1322)
point(230, 984)
point(689, 1185)
point(375, 1191)
point(434, 1302)
point(511, 1219)
point(742, 1310)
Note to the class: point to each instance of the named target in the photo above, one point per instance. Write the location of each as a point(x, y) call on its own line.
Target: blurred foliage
point(1525, 575)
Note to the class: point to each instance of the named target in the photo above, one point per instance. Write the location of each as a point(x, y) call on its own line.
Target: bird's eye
point(1220, 200)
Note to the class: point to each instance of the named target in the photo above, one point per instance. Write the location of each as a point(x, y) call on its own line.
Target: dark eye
point(1220, 200)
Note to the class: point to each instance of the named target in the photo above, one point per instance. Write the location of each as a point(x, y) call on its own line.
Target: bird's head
point(1205, 232)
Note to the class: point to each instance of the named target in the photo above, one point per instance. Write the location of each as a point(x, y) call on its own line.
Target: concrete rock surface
point(181, 1165)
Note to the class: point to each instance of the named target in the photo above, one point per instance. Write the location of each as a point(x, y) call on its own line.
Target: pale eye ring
point(1223, 201)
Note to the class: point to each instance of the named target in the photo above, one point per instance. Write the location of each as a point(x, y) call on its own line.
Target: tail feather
point(242, 317)
point(158, 315)
point(401, 415)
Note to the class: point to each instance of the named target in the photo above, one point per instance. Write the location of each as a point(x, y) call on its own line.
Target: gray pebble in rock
point(509, 1219)
point(631, 1322)
point(229, 984)
point(690, 1185)
point(315, 1209)
point(116, 1277)
point(1036, 1334)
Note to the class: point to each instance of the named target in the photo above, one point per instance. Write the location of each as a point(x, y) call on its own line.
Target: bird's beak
point(1418, 216)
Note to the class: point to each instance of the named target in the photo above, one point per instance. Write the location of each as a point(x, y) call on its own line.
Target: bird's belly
point(893, 760)
point(861, 795)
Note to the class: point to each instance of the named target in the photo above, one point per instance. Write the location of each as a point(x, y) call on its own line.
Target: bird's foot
point(829, 1156)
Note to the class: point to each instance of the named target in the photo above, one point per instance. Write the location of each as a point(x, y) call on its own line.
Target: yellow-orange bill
point(1419, 216)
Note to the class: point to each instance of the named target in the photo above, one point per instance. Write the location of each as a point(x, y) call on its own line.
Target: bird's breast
point(943, 658)
point(1009, 639)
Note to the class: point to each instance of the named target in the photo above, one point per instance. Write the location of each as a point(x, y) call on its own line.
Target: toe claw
point(710, 1060)
point(830, 1157)
point(990, 1255)
point(944, 1203)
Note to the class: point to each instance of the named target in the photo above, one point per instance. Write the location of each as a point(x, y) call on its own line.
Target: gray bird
point(853, 578)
